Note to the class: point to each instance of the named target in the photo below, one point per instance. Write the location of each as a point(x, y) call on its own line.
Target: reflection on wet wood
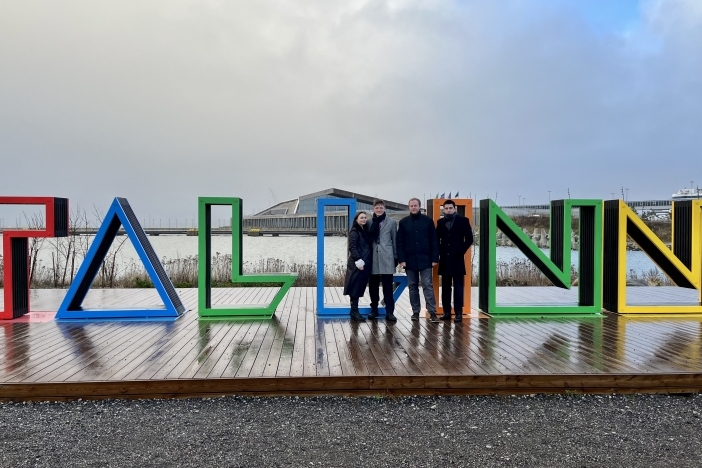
point(298, 344)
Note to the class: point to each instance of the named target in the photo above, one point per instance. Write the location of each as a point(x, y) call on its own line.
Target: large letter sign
point(682, 263)
point(334, 311)
point(16, 251)
point(557, 268)
point(120, 214)
point(204, 282)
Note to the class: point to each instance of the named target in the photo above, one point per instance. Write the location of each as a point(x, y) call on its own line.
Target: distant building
point(299, 215)
point(307, 204)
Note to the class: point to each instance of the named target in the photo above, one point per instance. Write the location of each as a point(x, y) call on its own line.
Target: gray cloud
point(162, 102)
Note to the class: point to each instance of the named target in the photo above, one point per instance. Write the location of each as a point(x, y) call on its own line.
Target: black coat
point(359, 247)
point(453, 245)
point(417, 244)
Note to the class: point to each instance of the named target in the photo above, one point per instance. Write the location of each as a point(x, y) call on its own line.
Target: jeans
point(458, 286)
point(373, 289)
point(413, 278)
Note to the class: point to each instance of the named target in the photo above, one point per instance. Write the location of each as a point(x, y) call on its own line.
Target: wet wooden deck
point(297, 353)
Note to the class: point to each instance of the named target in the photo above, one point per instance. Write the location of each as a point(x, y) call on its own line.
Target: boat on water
point(687, 194)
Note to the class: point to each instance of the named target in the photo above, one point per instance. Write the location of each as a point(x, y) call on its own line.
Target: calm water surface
point(302, 249)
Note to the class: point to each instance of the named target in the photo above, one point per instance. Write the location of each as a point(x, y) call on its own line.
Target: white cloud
point(165, 101)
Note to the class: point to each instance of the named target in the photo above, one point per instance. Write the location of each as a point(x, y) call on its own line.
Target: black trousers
point(374, 291)
point(458, 282)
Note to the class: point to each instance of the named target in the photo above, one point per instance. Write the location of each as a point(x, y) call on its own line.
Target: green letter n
point(557, 268)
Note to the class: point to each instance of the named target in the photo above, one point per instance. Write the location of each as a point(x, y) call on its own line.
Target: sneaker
point(390, 317)
point(433, 318)
point(415, 317)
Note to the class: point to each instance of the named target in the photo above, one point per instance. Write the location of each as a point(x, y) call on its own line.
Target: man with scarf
point(455, 238)
point(383, 232)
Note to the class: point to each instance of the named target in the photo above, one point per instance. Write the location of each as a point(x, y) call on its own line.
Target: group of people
point(377, 244)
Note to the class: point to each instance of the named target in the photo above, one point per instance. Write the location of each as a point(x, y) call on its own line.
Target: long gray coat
point(385, 251)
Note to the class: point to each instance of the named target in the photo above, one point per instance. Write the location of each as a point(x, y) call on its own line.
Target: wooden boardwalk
point(297, 353)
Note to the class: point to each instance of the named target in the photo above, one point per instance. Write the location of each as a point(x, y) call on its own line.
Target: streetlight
point(549, 197)
point(520, 200)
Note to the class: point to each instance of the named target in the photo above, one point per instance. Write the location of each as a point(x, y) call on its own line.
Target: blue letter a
point(120, 214)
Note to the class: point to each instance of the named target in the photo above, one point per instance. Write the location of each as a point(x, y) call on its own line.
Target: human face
point(414, 207)
point(362, 218)
point(379, 210)
point(449, 209)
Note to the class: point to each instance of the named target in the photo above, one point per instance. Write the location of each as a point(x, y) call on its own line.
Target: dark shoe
point(446, 316)
point(415, 317)
point(433, 318)
point(390, 317)
point(459, 317)
point(373, 314)
point(355, 315)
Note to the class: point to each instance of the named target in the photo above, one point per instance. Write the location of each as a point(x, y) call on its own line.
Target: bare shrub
point(521, 272)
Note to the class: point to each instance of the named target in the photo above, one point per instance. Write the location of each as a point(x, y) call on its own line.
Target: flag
point(449, 194)
point(437, 195)
point(442, 195)
point(456, 195)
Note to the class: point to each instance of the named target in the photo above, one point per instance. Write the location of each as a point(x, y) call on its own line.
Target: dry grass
point(661, 228)
point(520, 272)
point(183, 273)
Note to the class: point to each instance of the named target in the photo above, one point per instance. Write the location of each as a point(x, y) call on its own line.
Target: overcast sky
point(162, 102)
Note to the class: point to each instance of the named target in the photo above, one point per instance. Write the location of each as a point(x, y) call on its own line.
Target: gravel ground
point(538, 431)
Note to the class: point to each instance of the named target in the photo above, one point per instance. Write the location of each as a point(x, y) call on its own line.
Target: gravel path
point(538, 431)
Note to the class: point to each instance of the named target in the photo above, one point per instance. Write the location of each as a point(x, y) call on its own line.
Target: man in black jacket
point(418, 252)
point(455, 238)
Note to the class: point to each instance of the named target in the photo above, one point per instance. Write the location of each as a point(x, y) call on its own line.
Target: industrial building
point(299, 215)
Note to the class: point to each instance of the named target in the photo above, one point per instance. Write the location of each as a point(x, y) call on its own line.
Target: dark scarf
point(375, 227)
point(449, 220)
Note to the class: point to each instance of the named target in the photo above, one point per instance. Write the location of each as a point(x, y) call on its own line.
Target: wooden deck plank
point(214, 352)
point(256, 348)
point(104, 360)
point(269, 345)
point(349, 365)
point(33, 343)
point(298, 346)
point(210, 334)
point(139, 356)
point(229, 347)
point(331, 348)
point(387, 366)
point(240, 348)
point(297, 362)
point(288, 345)
point(272, 363)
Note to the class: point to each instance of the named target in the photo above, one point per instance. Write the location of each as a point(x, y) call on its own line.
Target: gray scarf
point(449, 220)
